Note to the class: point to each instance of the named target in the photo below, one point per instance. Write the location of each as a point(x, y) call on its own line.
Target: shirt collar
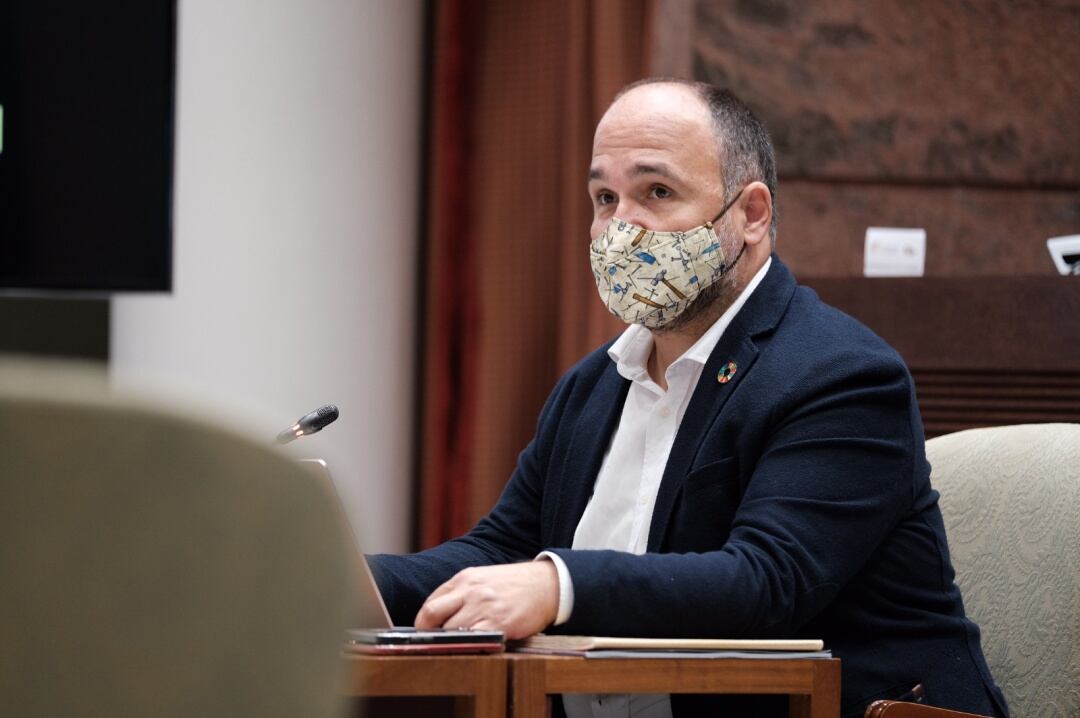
point(631, 350)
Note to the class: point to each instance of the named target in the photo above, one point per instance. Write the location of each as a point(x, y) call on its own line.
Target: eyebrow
point(659, 168)
point(641, 168)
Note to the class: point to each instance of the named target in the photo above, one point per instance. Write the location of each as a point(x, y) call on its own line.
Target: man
point(743, 461)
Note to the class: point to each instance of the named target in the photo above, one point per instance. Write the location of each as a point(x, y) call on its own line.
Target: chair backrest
point(154, 565)
point(1010, 497)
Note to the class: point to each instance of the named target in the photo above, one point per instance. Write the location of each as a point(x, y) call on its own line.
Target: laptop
point(377, 633)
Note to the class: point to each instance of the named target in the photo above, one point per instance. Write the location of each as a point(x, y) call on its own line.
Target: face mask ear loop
point(727, 206)
point(725, 268)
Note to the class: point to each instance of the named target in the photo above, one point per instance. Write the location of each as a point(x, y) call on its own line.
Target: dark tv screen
point(86, 144)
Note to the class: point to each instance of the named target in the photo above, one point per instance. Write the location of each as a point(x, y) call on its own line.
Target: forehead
point(666, 123)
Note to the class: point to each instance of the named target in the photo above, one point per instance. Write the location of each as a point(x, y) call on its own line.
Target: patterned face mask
point(649, 278)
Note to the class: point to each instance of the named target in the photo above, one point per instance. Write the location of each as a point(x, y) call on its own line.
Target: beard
point(712, 301)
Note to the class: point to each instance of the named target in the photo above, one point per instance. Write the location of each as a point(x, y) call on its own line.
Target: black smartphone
point(411, 640)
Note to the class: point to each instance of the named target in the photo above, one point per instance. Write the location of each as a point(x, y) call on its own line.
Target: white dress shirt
point(620, 510)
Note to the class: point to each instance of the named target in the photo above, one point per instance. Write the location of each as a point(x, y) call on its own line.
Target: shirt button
point(665, 412)
point(642, 501)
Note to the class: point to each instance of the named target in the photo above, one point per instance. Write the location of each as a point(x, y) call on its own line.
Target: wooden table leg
point(824, 702)
point(528, 689)
point(826, 690)
point(489, 701)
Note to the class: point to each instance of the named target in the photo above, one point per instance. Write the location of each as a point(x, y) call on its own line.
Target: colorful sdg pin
point(727, 372)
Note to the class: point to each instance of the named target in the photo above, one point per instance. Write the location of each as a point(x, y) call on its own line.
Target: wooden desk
point(478, 681)
point(813, 684)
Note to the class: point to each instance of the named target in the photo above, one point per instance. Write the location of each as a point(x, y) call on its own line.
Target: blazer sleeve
point(834, 477)
point(510, 532)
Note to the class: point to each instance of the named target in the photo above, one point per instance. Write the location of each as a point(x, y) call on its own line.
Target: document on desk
point(767, 655)
point(614, 647)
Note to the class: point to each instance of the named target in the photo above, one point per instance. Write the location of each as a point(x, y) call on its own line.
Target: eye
point(659, 191)
point(604, 197)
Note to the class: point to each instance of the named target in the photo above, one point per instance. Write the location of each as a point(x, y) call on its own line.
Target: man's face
point(655, 162)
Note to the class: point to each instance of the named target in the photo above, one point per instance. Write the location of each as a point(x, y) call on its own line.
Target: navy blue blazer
point(796, 502)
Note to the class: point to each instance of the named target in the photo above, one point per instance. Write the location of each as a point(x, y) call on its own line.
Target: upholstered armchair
point(1010, 496)
point(152, 564)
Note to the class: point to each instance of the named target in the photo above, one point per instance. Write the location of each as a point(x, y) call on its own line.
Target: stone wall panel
point(973, 91)
point(970, 231)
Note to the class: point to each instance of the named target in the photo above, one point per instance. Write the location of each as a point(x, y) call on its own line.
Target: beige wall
point(296, 204)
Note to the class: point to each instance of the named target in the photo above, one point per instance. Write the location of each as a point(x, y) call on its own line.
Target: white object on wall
point(894, 252)
point(1065, 252)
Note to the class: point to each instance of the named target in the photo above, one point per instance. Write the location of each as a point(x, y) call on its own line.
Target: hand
point(519, 599)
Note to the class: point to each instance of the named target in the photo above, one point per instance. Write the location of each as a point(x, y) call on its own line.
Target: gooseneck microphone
point(309, 423)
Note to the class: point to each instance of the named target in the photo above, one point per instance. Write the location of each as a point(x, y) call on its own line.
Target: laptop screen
point(372, 609)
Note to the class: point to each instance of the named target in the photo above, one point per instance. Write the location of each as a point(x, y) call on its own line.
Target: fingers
point(518, 599)
point(485, 625)
point(438, 609)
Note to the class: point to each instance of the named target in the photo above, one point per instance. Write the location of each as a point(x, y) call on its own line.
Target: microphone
point(309, 423)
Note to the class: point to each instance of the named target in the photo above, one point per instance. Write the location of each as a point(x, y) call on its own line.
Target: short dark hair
point(746, 152)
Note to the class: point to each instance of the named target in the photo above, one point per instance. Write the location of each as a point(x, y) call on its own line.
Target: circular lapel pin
point(727, 372)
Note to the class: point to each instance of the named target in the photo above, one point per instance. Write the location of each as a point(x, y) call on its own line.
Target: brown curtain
point(517, 91)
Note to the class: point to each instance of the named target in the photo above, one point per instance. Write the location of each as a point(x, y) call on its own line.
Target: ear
point(757, 210)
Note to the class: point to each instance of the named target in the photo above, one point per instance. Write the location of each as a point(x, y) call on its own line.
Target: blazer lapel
point(581, 463)
point(760, 314)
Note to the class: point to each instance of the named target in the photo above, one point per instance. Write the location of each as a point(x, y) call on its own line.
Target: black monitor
point(86, 144)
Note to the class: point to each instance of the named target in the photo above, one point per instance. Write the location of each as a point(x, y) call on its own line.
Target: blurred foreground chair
point(153, 565)
point(1010, 496)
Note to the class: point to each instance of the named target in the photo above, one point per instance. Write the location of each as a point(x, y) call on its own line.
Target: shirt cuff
point(566, 587)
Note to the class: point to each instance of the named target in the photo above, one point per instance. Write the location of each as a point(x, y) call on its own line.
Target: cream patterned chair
point(1010, 496)
point(155, 565)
